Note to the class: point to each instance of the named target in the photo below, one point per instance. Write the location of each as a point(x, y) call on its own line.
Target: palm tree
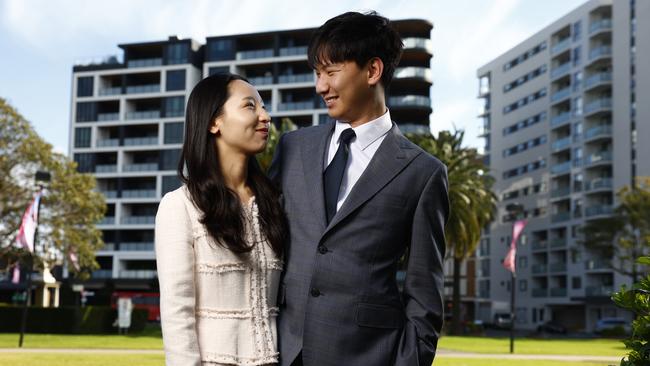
point(471, 199)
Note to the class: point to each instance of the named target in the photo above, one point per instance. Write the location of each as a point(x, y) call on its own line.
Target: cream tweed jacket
point(216, 308)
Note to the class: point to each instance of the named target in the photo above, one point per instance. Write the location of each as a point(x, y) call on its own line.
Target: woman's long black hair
point(200, 170)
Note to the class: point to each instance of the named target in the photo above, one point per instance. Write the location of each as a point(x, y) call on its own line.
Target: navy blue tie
point(334, 173)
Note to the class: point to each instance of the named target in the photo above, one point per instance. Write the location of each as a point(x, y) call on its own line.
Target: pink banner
point(28, 226)
point(510, 259)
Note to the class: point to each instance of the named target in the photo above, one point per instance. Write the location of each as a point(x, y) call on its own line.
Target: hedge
point(68, 320)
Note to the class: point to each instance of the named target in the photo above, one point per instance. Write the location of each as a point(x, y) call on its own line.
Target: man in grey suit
point(359, 196)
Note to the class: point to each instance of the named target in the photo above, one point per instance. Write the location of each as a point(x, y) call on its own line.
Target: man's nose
point(321, 85)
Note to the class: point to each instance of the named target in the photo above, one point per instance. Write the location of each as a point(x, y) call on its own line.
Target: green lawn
point(71, 359)
point(498, 362)
point(151, 338)
point(594, 347)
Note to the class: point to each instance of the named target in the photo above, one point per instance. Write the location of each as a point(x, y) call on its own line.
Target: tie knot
point(347, 135)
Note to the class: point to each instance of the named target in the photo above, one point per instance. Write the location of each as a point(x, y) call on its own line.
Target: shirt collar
point(368, 132)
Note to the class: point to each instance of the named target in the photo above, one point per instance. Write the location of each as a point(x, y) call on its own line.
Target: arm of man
point(424, 284)
point(175, 265)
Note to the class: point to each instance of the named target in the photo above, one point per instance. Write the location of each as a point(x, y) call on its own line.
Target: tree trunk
point(456, 323)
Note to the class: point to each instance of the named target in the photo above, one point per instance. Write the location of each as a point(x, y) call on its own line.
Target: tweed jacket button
point(322, 249)
point(315, 292)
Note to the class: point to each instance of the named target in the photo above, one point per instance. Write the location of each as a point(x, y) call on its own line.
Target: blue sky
point(41, 39)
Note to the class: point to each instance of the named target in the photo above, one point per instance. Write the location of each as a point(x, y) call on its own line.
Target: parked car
point(608, 324)
point(551, 327)
point(502, 320)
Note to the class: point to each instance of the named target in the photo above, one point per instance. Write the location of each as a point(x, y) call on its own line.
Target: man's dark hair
point(357, 37)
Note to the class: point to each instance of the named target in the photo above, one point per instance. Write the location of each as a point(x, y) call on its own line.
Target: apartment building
point(127, 120)
point(565, 127)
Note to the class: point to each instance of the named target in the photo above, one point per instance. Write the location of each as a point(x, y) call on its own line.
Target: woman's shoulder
point(176, 201)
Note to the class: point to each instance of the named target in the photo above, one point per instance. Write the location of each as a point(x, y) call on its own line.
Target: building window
point(86, 111)
point(82, 137)
point(169, 159)
point(577, 81)
point(174, 106)
point(177, 53)
point(577, 106)
point(218, 70)
point(576, 283)
point(174, 133)
point(523, 285)
point(523, 262)
point(85, 86)
point(175, 80)
point(576, 55)
point(85, 162)
point(220, 49)
point(577, 30)
point(170, 183)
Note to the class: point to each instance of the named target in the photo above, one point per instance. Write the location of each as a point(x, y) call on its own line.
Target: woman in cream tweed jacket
point(219, 236)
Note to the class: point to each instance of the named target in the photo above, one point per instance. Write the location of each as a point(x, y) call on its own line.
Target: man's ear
point(375, 69)
point(215, 126)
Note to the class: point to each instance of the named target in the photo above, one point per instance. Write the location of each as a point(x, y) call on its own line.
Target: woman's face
point(243, 126)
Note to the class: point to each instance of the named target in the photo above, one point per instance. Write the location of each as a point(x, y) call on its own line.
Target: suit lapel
point(313, 156)
point(393, 155)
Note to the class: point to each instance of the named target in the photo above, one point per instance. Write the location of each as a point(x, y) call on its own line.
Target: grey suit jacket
point(339, 300)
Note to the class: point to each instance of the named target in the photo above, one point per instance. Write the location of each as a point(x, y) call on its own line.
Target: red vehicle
point(141, 300)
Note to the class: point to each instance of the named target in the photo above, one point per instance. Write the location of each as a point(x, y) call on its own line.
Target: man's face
point(344, 87)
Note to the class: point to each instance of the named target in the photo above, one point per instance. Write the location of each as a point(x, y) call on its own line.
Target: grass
point(527, 346)
point(71, 359)
point(500, 362)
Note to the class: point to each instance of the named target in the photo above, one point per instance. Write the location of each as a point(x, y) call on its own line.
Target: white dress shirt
point(362, 148)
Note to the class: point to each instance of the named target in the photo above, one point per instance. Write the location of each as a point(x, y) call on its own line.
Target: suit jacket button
point(315, 292)
point(322, 249)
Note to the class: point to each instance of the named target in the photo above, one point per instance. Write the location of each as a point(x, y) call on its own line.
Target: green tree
point(624, 236)
point(637, 300)
point(472, 202)
point(69, 209)
point(264, 158)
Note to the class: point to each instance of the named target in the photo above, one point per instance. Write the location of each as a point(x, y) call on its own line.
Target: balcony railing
point(539, 268)
point(145, 62)
point(599, 291)
point(604, 130)
point(293, 51)
point(558, 267)
point(138, 193)
point(598, 104)
point(561, 192)
point(143, 115)
point(142, 273)
point(140, 167)
point(559, 292)
point(133, 141)
point(561, 94)
point(600, 78)
point(420, 43)
point(562, 216)
point(294, 106)
point(244, 55)
point(137, 246)
point(604, 156)
point(599, 210)
point(111, 91)
point(598, 264)
point(561, 168)
point(108, 247)
point(108, 142)
point(109, 193)
point(600, 51)
point(105, 168)
point(558, 242)
point(599, 183)
point(561, 45)
point(560, 70)
point(410, 100)
point(414, 72)
point(598, 25)
point(297, 78)
point(138, 220)
point(540, 292)
point(102, 274)
point(540, 244)
point(138, 89)
point(261, 80)
point(107, 220)
point(561, 144)
point(108, 116)
point(560, 119)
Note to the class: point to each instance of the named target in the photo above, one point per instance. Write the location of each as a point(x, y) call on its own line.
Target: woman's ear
point(375, 70)
point(215, 127)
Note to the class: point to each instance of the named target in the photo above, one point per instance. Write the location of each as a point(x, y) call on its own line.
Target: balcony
point(107, 220)
point(138, 220)
point(600, 25)
point(598, 105)
point(108, 247)
point(418, 43)
point(108, 142)
point(423, 73)
point(145, 62)
point(142, 115)
point(561, 144)
point(560, 119)
point(140, 89)
point(599, 210)
point(539, 269)
point(597, 79)
point(558, 243)
point(293, 51)
point(601, 51)
point(246, 55)
point(295, 106)
point(599, 291)
point(138, 193)
point(561, 45)
point(105, 168)
point(540, 292)
point(110, 91)
point(260, 80)
point(598, 131)
point(561, 168)
point(599, 157)
point(560, 70)
point(561, 94)
point(559, 292)
point(557, 267)
point(137, 246)
point(599, 183)
point(539, 244)
point(140, 167)
point(138, 141)
point(108, 117)
point(561, 192)
point(409, 101)
point(109, 193)
point(100, 274)
point(141, 274)
point(561, 217)
point(598, 264)
point(297, 78)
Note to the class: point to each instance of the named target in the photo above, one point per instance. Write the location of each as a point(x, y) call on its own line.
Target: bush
point(68, 320)
point(614, 332)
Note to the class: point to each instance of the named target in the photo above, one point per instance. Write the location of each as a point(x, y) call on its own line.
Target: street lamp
point(516, 210)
